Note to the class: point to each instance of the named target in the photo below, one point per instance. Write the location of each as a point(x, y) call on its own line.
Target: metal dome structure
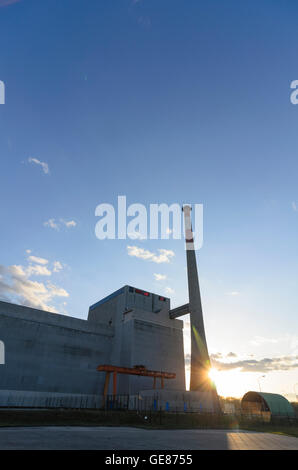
point(258, 403)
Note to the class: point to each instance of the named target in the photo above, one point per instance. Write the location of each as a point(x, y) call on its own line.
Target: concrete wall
point(160, 348)
point(144, 334)
point(50, 352)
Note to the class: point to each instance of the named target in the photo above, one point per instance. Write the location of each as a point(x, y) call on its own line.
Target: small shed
point(270, 404)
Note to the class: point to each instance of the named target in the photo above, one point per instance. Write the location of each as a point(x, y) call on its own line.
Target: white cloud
point(160, 277)
point(164, 256)
point(52, 224)
point(231, 354)
point(17, 271)
point(169, 290)
point(294, 206)
point(16, 286)
point(57, 291)
point(35, 259)
point(233, 293)
point(57, 266)
point(68, 223)
point(254, 365)
point(139, 252)
point(44, 166)
point(38, 270)
point(28, 251)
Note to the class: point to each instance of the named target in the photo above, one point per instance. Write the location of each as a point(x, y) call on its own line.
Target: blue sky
point(168, 101)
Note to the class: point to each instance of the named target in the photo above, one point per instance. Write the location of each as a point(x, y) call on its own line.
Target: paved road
point(127, 438)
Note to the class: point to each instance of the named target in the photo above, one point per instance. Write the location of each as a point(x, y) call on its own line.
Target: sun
point(214, 375)
point(232, 382)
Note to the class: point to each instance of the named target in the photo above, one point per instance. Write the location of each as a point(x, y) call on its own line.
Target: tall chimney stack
point(200, 361)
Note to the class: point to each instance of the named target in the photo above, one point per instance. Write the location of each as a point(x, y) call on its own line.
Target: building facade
point(49, 354)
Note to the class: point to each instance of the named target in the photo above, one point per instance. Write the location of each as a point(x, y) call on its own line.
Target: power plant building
point(46, 352)
point(53, 359)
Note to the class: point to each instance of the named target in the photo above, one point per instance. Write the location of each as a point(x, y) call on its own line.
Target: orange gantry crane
point(136, 370)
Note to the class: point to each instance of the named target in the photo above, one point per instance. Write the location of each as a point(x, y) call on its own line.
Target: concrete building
point(144, 334)
point(53, 358)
